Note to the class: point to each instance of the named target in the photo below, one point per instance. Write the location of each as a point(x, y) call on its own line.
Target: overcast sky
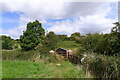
point(58, 16)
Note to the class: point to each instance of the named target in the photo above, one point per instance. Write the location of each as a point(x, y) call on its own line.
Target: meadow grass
point(68, 44)
point(97, 65)
point(19, 55)
point(26, 69)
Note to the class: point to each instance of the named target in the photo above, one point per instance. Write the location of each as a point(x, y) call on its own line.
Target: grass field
point(19, 64)
point(68, 44)
point(25, 69)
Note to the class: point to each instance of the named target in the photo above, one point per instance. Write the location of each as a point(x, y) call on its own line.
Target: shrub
point(7, 42)
point(51, 41)
point(108, 44)
point(43, 50)
point(101, 67)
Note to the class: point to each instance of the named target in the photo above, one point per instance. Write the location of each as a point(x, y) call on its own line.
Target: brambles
point(102, 67)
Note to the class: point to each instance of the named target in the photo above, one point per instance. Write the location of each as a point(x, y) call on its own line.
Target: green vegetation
point(116, 28)
point(101, 66)
point(25, 69)
point(29, 56)
point(6, 42)
point(19, 55)
point(33, 35)
point(63, 37)
point(68, 44)
point(108, 44)
point(75, 36)
point(51, 41)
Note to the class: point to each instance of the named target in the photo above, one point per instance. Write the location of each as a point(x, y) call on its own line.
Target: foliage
point(101, 66)
point(16, 45)
point(33, 35)
point(111, 44)
point(91, 41)
point(6, 42)
point(116, 35)
point(51, 41)
point(108, 44)
point(43, 50)
point(75, 36)
point(116, 28)
point(63, 37)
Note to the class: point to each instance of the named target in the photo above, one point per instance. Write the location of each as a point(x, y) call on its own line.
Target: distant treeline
point(34, 38)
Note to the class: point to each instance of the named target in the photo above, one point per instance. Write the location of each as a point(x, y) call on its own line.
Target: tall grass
point(19, 55)
point(102, 66)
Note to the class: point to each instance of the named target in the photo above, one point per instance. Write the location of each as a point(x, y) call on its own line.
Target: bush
point(7, 42)
point(63, 37)
point(101, 67)
point(43, 50)
point(51, 41)
point(108, 44)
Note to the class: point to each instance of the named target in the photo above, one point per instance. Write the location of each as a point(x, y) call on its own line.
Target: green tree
point(6, 42)
point(115, 33)
point(33, 35)
point(93, 41)
point(75, 36)
point(63, 37)
point(51, 40)
point(116, 28)
point(108, 44)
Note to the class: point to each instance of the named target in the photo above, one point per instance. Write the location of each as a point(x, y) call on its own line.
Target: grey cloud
point(60, 9)
point(82, 8)
point(91, 28)
point(44, 10)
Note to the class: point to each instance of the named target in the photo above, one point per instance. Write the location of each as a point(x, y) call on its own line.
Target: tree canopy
point(33, 35)
point(63, 37)
point(7, 42)
point(75, 36)
point(116, 28)
point(51, 40)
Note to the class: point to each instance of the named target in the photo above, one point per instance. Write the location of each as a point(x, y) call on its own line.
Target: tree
point(33, 35)
point(51, 40)
point(116, 28)
point(63, 37)
point(75, 36)
point(115, 33)
point(108, 44)
point(7, 42)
